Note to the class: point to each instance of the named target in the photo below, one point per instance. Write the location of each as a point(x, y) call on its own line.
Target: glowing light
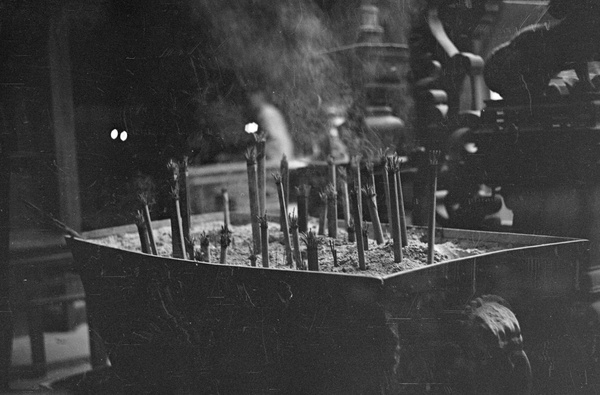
point(471, 148)
point(123, 135)
point(114, 134)
point(251, 127)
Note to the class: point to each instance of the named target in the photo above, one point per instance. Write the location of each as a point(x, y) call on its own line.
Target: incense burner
point(188, 326)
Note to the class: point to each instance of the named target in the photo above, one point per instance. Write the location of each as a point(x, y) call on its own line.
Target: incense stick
point(302, 194)
point(253, 196)
point(286, 227)
point(142, 231)
point(261, 172)
point(312, 250)
point(296, 240)
point(226, 213)
point(331, 210)
point(186, 208)
point(225, 240)
point(323, 215)
point(395, 220)
point(284, 170)
point(264, 235)
point(386, 190)
point(434, 157)
point(371, 196)
point(402, 211)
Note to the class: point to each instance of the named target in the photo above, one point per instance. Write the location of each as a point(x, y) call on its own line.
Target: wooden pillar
point(64, 121)
point(6, 319)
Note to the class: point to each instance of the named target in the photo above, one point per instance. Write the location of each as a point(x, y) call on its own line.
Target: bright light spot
point(495, 96)
point(251, 127)
point(471, 148)
point(114, 134)
point(123, 135)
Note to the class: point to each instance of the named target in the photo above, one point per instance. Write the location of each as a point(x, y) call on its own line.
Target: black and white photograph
point(300, 197)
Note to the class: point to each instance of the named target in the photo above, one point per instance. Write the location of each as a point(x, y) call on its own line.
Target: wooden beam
point(64, 121)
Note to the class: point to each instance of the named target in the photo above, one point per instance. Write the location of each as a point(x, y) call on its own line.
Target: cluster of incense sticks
point(356, 202)
point(346, 180)
point(180, 212)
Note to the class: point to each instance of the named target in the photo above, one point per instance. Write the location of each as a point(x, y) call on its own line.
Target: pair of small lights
point(115, 135)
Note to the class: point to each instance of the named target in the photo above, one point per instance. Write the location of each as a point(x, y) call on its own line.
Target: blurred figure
point(272, 122)
point(333, 144)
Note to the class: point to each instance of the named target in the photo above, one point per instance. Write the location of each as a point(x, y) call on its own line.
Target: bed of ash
point(379, 258)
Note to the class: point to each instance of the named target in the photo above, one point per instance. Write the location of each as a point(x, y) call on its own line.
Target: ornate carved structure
point(539, 148)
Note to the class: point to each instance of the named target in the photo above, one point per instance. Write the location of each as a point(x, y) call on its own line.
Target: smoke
point(276, 47)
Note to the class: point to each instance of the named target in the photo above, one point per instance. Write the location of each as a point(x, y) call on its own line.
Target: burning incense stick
point(264, 236)
point(143, 197)
point(343, 184)
point(357, 180)
point(371, 196)
point(179, 247)
point(323, 215)
point(226, 214)
point(386, 189)
point(296, 240)
point(395, 221)
point(284, 169)
point(261, 170)
point(312, 250)
point(286, 227)
point(177, 238)
point(253, 195)
point(434, 157)
point(373, 211)
point(225, 242)
point(142, 231)
point(358, 228)
point(402, 212)
point(331, 210)
point(302, 194)
point(370, 167)
point(186, 208)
